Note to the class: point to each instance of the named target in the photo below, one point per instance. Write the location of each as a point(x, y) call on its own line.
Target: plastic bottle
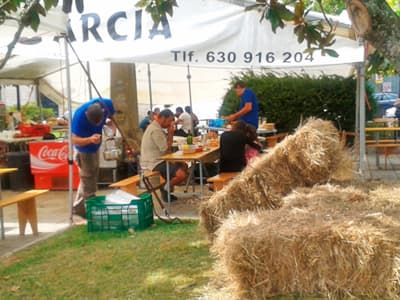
point(189, 139)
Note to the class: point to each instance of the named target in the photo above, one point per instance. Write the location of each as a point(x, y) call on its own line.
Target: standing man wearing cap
point(87, 126)
point(248, 108)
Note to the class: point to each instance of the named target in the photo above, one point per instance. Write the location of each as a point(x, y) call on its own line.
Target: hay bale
point(310, 156)
point(325, 241)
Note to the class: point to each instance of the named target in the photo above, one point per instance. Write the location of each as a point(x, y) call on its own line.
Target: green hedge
point(286, 100)
point(33, 112)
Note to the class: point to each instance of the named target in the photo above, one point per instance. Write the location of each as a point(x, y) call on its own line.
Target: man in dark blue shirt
point(146, 121)
point(248, 108)
point(87, 126)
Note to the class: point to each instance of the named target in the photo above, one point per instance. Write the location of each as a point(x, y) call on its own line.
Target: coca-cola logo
point(46, 153)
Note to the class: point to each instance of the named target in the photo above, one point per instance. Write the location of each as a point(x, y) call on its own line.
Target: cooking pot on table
point(111, 151)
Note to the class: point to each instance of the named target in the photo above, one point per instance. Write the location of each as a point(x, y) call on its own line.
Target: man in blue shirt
point(248, 108)
point(146, 121)
point(87, 126)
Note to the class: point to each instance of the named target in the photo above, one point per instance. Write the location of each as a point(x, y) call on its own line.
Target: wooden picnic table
point(387, 147)
point(209, 153)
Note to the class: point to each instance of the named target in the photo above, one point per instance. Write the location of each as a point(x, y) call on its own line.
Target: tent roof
point(217, 33)
point(223, 37)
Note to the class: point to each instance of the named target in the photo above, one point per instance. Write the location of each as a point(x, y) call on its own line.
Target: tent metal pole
point(17, 89)
point(89, 85)
point(39, 102)
point(37, 90)
point(357, 112)
point(150, 90)
point(362, 119)
point(188, 76)
point(357, 116)
point(70, 149)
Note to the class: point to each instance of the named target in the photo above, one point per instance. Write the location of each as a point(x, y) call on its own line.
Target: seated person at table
point(195, 120)
point(146, 121)
point(185, 120)
point(155, 143)
point(233, 148)
point(252, 149)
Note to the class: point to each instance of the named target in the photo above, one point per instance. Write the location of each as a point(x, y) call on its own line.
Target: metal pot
point(113, 154)
point(111, 151)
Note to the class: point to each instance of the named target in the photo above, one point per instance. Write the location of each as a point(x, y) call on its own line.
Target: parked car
point(384, 101)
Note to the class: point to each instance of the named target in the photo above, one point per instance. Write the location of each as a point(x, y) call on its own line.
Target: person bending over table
point(232, 148)
point(87, 126)
point(248, 108)
point(156, 143)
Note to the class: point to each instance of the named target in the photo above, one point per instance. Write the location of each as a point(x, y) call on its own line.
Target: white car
point(390, 112)
point(384, 101)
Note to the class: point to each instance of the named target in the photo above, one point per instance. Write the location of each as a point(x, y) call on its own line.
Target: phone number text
point(245, 57)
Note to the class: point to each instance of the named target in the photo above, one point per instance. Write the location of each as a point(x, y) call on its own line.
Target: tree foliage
point(158, 9)
point(25, 13)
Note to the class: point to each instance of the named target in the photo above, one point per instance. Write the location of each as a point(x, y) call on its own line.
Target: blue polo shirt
point(252, 116)
point(83, 128)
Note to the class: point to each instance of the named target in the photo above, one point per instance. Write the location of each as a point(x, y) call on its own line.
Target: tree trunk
point(385, 29)
point(124, 97)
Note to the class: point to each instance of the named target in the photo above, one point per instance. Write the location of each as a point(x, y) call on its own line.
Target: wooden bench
point(221, 179)
point(388, 149)
point(130, 184)
point(385, 141)
point(26, 203)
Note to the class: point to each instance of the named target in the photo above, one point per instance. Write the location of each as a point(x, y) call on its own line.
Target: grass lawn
point(162, 262)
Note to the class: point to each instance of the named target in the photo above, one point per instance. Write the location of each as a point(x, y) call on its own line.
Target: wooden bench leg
point(27, 212)
point(386, 157)
point(218, 185)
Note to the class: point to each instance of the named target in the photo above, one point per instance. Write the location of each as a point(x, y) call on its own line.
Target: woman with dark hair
point(233, 148)
point(254, 147)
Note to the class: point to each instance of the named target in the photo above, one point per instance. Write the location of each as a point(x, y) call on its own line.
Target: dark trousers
point(88, 164)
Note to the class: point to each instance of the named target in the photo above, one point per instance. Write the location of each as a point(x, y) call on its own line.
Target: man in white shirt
point(185, 120)
point(156, 143)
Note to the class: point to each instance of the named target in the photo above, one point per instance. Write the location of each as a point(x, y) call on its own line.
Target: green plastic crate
point(102, 216)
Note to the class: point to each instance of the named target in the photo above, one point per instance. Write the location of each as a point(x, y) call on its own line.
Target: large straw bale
point(329, 241)
point(312, 155)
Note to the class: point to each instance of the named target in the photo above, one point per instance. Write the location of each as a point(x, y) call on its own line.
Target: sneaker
point(79, 210)
point(164, 195)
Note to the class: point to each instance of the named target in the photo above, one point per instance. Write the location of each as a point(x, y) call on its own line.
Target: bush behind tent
point(286, 99)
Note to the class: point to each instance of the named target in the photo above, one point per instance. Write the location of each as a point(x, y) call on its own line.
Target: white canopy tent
point(215, 38)
point(207, 35)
